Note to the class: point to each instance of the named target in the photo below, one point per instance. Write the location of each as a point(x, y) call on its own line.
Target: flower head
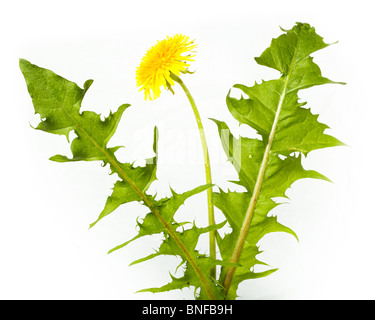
point(170, 55)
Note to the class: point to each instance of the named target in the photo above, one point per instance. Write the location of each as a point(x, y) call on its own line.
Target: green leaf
point(267, 167)
point(58, 102)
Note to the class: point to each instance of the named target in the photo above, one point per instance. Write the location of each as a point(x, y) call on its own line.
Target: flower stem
point(207, 166)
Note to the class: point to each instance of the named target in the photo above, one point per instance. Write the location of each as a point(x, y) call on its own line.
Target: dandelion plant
point(266, 166)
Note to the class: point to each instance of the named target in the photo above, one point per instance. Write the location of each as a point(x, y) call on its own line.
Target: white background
point(46, 249)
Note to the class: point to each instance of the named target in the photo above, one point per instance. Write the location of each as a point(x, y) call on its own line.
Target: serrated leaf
point(58, 102)
point(267, 167)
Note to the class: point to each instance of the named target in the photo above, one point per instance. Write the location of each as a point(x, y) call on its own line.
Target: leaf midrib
point(252, 204)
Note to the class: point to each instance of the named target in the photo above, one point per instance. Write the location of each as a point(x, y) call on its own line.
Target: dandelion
point(168, 57)
point(162, 66)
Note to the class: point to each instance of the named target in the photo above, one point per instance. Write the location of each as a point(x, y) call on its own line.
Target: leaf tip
point(23, 63)
point(93, 224)
point(88, 84)
point(110, 251)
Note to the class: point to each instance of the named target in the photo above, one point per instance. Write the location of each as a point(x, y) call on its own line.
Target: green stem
point(207, 166)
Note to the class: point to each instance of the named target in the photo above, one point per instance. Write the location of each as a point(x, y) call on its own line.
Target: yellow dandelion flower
point(170, 55)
